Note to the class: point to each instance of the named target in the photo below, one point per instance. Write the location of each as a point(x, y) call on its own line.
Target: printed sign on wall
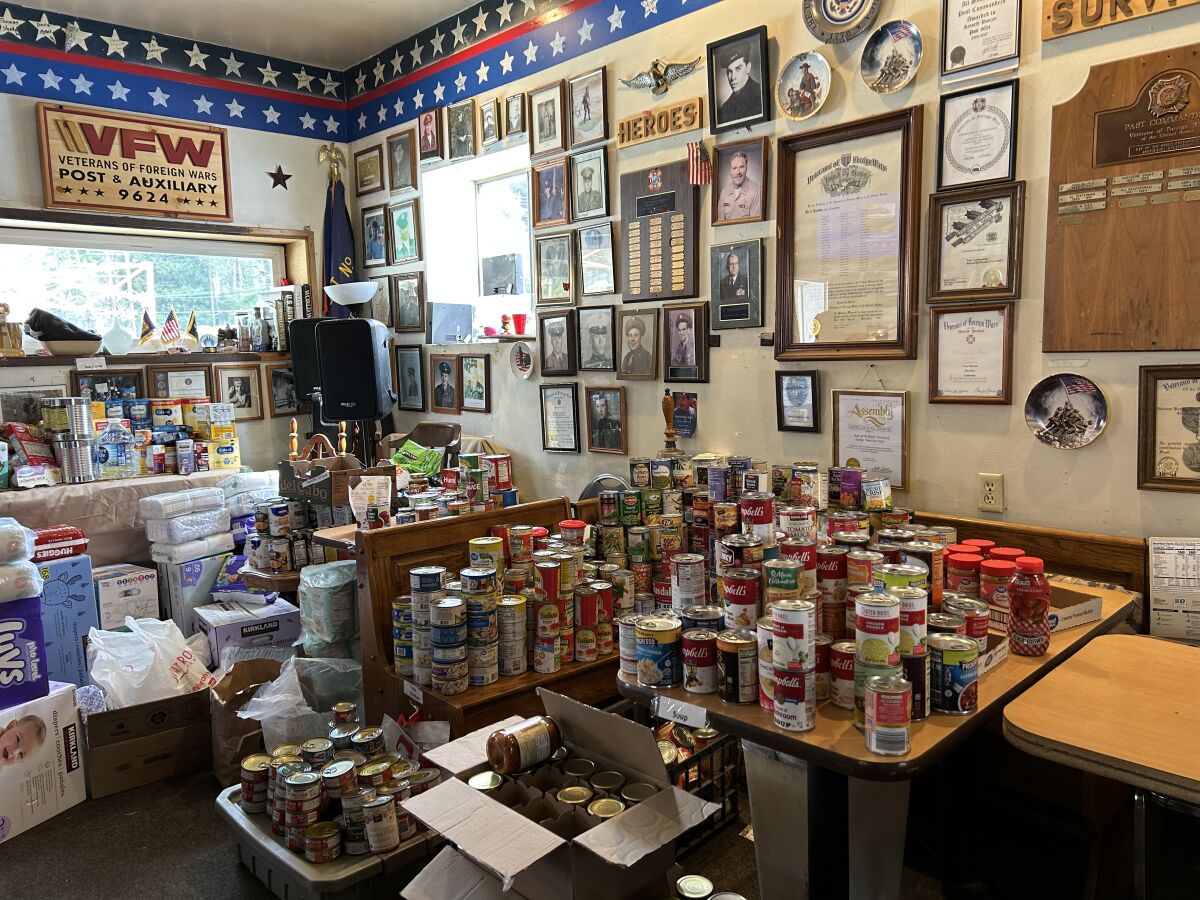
point(137, 165)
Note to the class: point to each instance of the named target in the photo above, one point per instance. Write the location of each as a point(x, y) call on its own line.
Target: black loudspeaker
point(355, 369)
point(302, 340)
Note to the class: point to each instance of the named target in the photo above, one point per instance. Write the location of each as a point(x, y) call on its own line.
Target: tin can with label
point(718, 483)
point(659, 651)
point(700, 661)
point(804, 552)
point(914, 607)
point(806, 485)
point(627, 643)
point(631, 508)
point(975, 613)
point(877, 629)
point(821, 670)
point(887, 705)
point(831, 574)
point(739, 550)
point(794, 627)
point(862, 672)
point(841, 667)
point(860, 564)
point(639, 471)
point(897, 575)
point(795, 700)
point(757, 513)
point(946, 623)
point(737, 666)
point(637, 543)
point(660, 473)
point(916, 673)
point(932, 556)
point(953, 674)
point(610, 507)
point(740, 594)
point(785, 580)
point(709, 618)
point(546, 655)
point(652, 505)
point(689, 580)
point(799, 523)
point(280, 559)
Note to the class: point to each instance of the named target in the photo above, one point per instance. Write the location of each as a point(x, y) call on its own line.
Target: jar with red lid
point(994, 576)
point(525, 744)
point(960, 548)
point(572, 531)
point(1029, 608)
point(981, 545)
point(1009, 554)
point(962, 574)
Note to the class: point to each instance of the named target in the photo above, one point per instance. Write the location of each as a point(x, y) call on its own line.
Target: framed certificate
point(977, 136)
point(977, 33)
point(560, 417)
point(970, 353)
point(975, 243)
point(871, 432)
point(1169, 428)
point(846, 264)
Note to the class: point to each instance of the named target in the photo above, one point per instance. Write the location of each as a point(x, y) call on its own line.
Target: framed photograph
point(514, 115)
point(547, 130)
point(460, 128)
point(443, 375)
point(410, 378)
point(735, 283)
point(554, 270)
point(971, 353)
point(402, 162)
point(556, 343)
point(798, 401)
point(977, 33)
point(589, 107)
point(284, 400)
point(241, 388)
point(738, 92)
point(977, 136)
point(685, 342)
point(871, 431)
point(108, 384)
point(374, 236)
point(589, 184)
point(404, 232)
point(975, 243)
point(429, 132)
point(408, 301)
point(368, 170)
point(186, 382)
point(739, 190)
point(606, 418)
point(639, 345)
point(24, 403)
point(597, 275)
point(852, 297)
point(381, 301)
point(474, 378)
point(1168, 428)
point(597, 339)
point(489, 122)
point(551, 202)
point(560, 417)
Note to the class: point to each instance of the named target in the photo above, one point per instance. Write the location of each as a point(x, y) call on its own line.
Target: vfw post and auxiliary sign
point(137, 165)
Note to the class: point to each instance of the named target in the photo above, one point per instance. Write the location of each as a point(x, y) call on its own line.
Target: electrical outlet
point(991, 492)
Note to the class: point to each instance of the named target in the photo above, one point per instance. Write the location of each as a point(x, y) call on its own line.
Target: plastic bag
point(16, 541)
point(19, 580)
point(191, 527)
point(412, 457)
point(150, 662)
point(295, 706)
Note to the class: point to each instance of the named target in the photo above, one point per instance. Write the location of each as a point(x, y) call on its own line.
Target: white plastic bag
point(149, 662)
point(295, 706)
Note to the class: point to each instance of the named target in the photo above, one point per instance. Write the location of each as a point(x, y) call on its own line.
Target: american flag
point(699, 164)
point(169, 333)
point(1074, 384)
point(900, 31)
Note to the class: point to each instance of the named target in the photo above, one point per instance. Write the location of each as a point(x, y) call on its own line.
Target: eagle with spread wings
point(660, 76)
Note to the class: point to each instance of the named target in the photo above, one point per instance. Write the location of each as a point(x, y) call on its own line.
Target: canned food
point(700, 661)
point(737, 665)
point(916, 673)
point(914, 604)
point(740, 588)
point(877, 628)
point(547, 656)
point(887, 706)
point(946, 623)
point(689, 580)
point(795, 702)
point(975, 614)
point(794, 627)
point(368, 741)
point(862, 672)
point(659, 651)
point(841, 666)
point(821, 670)
point(953, 674)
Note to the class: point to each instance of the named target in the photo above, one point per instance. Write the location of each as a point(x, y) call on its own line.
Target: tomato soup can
point(887, 713)
point(803, 551)
point(862, 672)
point(799, 522)
point(953, 674)
point(794, 625)
point(795, 701)
point(737, 666)
point(914, 605)
point(877, 629)
point(700, 661)
point(916, 673)
point(975, 614)
point(841, 668)
point(821, 670)
point(659, 651)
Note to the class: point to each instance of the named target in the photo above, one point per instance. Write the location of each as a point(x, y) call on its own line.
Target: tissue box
point(68, 613)
point(22, 655)
point(125, 590)
point(185, 586)
point(247, 624)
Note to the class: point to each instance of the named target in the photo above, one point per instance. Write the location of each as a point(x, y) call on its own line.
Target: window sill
point(144, 359)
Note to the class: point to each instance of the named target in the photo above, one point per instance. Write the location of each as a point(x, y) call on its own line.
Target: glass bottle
point(1029, 609)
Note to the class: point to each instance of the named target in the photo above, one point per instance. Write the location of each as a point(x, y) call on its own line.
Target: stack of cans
point(322, 842)
point(255, 778)
point(354, 836)
point(480, 591)
point(448, 643)
point(284, 766)
point(512, 619)
point(426, 589)
point(303, 803)
point(402, 635)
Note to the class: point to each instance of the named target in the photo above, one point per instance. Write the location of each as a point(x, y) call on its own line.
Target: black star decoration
point(279, 178)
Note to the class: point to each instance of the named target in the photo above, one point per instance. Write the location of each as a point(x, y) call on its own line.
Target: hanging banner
point(136, 165)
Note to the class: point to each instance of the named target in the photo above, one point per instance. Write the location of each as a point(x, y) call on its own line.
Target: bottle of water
point(115, 453)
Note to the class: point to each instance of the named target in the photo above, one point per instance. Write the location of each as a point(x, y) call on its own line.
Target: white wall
point(1090, 489)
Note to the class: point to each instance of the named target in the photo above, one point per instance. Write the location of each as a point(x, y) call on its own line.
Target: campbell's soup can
point(860, 564)
point(737, 666)
point(795, 699)
point(821, 670)
point(831, 574)
point(805, 552)
point(914, 608)
point(758, 516)
point(877, 629)
point(841, 669)
point(887, 712)
point(700, 661)
point(863, 671)
point(795, 628)
point(740, 589)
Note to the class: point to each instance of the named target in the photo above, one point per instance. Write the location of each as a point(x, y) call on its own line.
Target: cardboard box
point(22, 655)
point(125, 590)
point(1178, 624)
point(219, 433)
point(224, 455)
point(127, 748)
point(49, 778)
point(247, 625)
point(571, 858)
point(68, 614)
point(1070, 605)
point(185, 586)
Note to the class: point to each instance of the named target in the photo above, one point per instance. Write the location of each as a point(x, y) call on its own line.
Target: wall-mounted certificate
point(970, 353)
point(977, 138)
point(560, 417)
point(1169, 428)
point(872, 432)
point(975, 243)
point(977, 33)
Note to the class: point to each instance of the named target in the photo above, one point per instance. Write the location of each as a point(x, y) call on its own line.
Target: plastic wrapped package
point(189, 550)
point(150, 661)
point(329, 601)
point(241, 482)
point(296, 705)
point(315, 647)
point(16, 541)
point(19, 580)
point(243, 504)
point(232, 654)
point(180, 503)
point(191, 527)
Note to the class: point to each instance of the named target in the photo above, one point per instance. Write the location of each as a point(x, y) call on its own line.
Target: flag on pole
point(192, 330)
point(147, 327)
point(339, 245)
point(1076, 385)
point(169, 333)
point(699, 164)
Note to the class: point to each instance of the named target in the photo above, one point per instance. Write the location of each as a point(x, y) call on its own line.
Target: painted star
point(416, 52)
point(115, 44)
point(157, 95)
point(460, 83)
point(506, 62)
point(362, 121)
point(50, 81)
point(585, 32)
point(329, 84)
point(303, 80)
point(398, 106)
point(418, 100)
point(279, 178)
point(382, 112)
point(530, 6)
point(269, 74)
point(649, 6)
point(331, 125)
point(482, 72)
point(272, 115)
point(480, 22)
point(617, 19)
point(378, 71)
point(307, 122)
point(98, 192)
point(233, 65)
point(83, 192)
point(435, 42)
point(45, 29)
point(235, 109)
point(9, 25)
point(13, 75)
point(505, 11)
point(74, 36)
point(397, 63)
point(154, 50)
point(196, 57)
point(557, 43)
point(360, 81)
point(531, 54)
point(457, 31)
point(119, 91)
point(203, 105)
point(82, 85)
point(439, 92)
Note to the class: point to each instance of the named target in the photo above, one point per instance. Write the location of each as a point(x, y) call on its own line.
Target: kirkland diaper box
point(41, 760)
point(22, 656)
point(546, 850)
point(125, 590)
point(68, 614)
point(185, 586)
point(247, 624)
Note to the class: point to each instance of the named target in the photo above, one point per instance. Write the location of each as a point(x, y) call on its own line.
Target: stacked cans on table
point(448, 642)
point(426, 586)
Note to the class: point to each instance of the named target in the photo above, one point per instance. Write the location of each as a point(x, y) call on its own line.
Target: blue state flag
point(339, 246)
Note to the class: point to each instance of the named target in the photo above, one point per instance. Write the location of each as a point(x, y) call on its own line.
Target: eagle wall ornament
point(660, 76)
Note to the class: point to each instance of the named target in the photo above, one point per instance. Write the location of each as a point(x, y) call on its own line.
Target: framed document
point(560, 417)
point(977, 136)
point(846, 265)
point(1169, 428)
point(979, 33)
point(970, 353)
point(975, 243)
point(871, 431)
point(797, 401)
point(187, 382)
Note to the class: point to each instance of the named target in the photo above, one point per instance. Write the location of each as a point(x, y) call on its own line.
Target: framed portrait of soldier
point(589, 184)
point(739, 192)
point(381, 300)
point(460, 125)
point(443, 377)
point(474, 378)
point(588, 95)
point(606, 419)
point(597, 338)
point(402, 162)
point(685, 342)
point(489, 122)
point(738, 91)
point(404, 232)
point(555, 286)
point(735, 284)
point(514, 115)
point(547, 130)
point(374, 236)
point(429, 135)
point(597, 273)
point(551, 199)
point(556, 342)
point(410, 378)
point(368, 170)
point(638, 352)
point(408, 300)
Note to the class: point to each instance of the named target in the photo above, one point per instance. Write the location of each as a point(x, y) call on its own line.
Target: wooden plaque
point(660, 122)
point(1122, 261)
point(660, 209)
point(1063, 17)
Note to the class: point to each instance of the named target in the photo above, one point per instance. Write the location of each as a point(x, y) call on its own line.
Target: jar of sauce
point(518, 747)
point(1029, 608)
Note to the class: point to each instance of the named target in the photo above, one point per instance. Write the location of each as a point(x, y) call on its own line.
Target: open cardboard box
point(625, 856)
point(1070, 605)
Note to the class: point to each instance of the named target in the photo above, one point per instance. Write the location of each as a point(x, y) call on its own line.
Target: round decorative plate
point(803, 85)
point(891, 57)
point(838, 21)
point(520, 358)
point(1066, 411)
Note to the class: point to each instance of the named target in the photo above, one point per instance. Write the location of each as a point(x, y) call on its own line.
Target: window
point(502, 228)
point(96, 280)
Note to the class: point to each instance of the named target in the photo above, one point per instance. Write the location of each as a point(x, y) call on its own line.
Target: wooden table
point(830, 778)
point(280, 582)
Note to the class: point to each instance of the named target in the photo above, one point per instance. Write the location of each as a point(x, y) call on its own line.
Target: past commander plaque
point(659, 209)
point(137, 165)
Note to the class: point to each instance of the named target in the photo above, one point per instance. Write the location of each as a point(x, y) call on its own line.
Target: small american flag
point(1076, 385)
point(169, 333)
point(699, 164)
point(900, 31)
